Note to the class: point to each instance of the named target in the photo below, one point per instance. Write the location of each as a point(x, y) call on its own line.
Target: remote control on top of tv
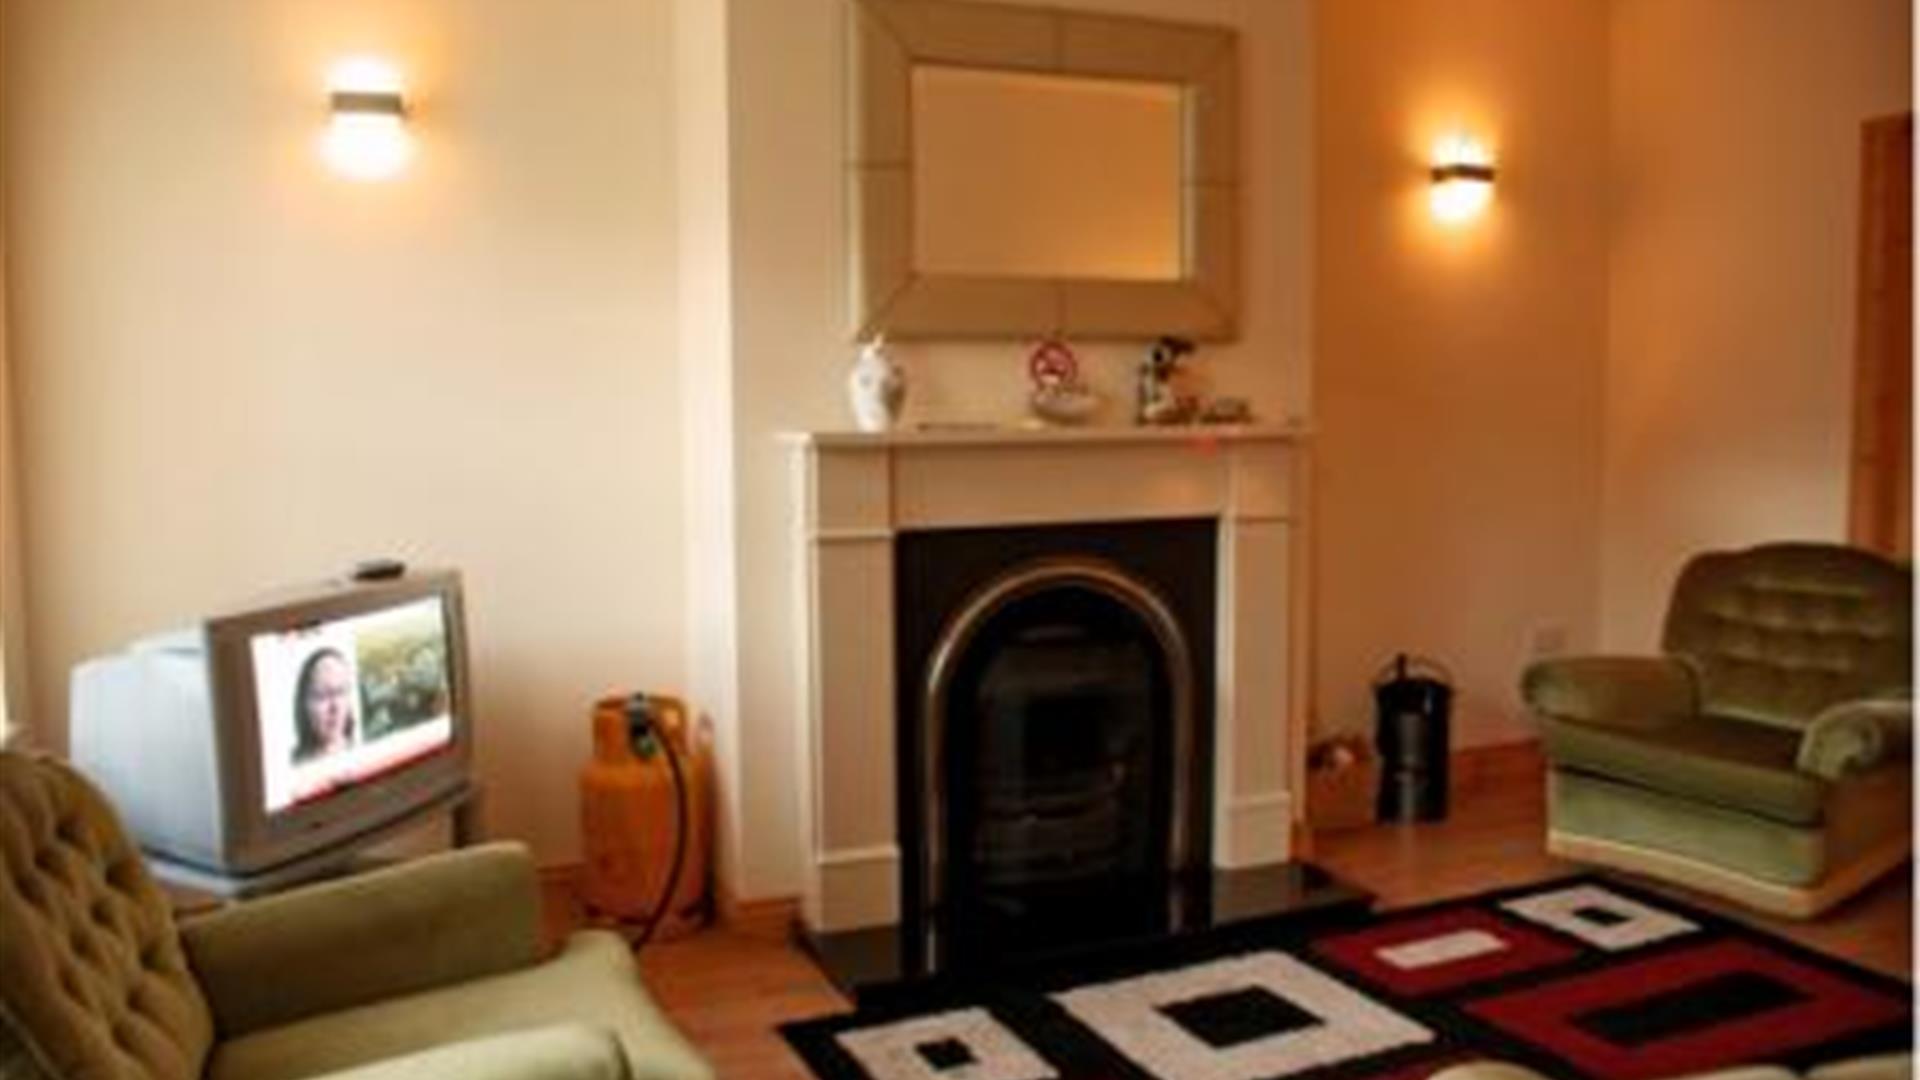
point(378, 570)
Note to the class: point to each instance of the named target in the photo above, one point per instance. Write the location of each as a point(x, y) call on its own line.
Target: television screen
point(343, 701)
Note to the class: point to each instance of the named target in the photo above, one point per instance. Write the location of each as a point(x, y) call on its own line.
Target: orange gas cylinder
point(630, 809)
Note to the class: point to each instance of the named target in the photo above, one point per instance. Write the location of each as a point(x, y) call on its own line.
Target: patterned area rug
point(1585, 978)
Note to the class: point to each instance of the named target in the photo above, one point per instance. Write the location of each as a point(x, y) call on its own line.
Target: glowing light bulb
point(1462, 179)
point(367, 137)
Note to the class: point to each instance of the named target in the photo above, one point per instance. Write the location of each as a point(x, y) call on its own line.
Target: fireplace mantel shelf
point(988, 436)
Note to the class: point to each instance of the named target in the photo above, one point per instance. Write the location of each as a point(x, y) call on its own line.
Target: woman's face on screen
point(330, 702)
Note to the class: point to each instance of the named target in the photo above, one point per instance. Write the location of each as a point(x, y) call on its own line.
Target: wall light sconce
point(367, 137)
point(1462, 179)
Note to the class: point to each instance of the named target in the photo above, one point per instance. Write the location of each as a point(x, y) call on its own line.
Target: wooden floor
point(727, 989)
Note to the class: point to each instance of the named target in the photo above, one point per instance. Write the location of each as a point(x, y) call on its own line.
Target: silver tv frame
point(169, 727)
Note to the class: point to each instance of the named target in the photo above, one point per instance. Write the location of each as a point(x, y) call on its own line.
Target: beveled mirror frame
point(889, 37)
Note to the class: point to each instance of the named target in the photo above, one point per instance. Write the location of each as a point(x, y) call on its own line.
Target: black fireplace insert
point(1055, 713)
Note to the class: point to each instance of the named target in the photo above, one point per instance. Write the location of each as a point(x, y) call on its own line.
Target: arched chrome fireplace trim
point(1044, 575)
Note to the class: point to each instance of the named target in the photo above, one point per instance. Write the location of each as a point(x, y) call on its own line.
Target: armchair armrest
point(1856, 735)
point(561, 1052)
point(442, 919)
point(1616, 690)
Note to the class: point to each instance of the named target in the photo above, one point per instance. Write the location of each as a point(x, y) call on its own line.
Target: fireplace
point(1065, 572)
point(997, 713)
point(1054, 732)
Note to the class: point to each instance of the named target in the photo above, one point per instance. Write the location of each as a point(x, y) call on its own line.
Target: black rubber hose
point(681, 813)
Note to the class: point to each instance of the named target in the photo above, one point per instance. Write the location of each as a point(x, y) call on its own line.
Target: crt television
point(283, 728)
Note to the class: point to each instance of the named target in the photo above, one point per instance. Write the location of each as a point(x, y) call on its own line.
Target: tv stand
point(462, 805)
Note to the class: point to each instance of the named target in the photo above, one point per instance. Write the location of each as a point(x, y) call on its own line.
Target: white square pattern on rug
point(1444, 949)
point(975, 1047)
point(1600, 918)
point(1131, 1014)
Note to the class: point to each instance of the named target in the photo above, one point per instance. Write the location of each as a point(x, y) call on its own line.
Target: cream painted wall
point(1735, 163)
point(785, 60)
point(236, 371)
point(13, 622)
point(13, 654)
point(705, 192)
point(1457, 372)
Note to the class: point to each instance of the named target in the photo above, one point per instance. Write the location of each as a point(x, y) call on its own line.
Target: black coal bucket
point(1415, 702)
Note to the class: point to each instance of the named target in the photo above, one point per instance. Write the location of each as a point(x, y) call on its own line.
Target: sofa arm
point(437, 920)
point(1500, 1070)
point(1611, 689)
point(1856, 735)
point(561, 1052)
point(1894, 1066)
point(1487, 1070)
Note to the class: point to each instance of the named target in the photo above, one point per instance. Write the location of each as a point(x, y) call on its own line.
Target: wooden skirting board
point(1476, 765)
point(771, 919)
point(1469, 768)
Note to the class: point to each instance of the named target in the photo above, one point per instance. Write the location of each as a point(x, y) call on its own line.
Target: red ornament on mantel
point(1052, 364)
point(1059, 397)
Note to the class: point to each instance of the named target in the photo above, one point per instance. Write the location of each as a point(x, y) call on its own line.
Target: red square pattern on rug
point(1525, 950)
point(1830, 1008)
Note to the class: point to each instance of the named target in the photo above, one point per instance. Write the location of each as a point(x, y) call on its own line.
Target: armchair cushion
point(1856, 736)
point(426, 923)
point(1781, 632)
point(563, 1052)
point(1727, 763)
point(1618, 690)
point(593, 981)
point(92, 979)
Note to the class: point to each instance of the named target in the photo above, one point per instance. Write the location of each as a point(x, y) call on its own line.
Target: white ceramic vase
point(876, 388)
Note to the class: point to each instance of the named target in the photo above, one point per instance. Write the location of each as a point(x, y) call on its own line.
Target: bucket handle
point(1404, 664)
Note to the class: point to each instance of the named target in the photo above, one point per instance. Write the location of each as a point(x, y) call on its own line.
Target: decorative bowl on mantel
point(1064, 403)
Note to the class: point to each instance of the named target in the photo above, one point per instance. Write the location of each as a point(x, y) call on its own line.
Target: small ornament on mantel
point(1158, 402)
point(1059, 396)
point(876, 388)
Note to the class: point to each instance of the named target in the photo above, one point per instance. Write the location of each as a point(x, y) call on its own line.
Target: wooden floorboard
point(728, 989)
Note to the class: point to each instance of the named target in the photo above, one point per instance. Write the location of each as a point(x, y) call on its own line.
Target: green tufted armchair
point(1767, 756)
point(430, 969)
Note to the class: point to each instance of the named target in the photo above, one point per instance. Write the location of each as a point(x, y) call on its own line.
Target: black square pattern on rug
point(1721, 999)
point(1238, 1016)
point(946, 1055)
point(1599, 916)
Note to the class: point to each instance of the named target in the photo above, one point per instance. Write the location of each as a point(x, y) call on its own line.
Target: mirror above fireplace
point(1046, 176)
point(1020, 171)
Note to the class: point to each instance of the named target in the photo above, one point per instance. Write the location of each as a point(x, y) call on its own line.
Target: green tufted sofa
point(430, 969)
point(1767, 756)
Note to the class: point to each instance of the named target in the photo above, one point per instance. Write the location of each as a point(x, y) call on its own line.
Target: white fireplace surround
point(857, 492)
